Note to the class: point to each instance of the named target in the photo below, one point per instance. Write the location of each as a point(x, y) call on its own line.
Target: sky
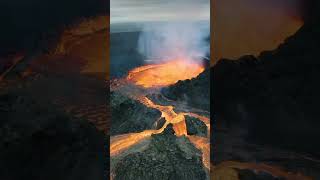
point(124, 12)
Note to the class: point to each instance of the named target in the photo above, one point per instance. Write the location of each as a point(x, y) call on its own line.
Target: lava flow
point(155, 76)
point(121, 143)
point(159, 75)
point(170, 116)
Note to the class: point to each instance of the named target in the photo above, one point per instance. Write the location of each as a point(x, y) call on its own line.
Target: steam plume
point(175, 40)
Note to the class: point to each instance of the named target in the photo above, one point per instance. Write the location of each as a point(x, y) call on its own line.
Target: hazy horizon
point(128, 15)
point(136, 27)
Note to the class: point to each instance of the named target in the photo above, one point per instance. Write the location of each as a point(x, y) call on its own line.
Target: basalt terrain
point(167, 157)
point(130, 115)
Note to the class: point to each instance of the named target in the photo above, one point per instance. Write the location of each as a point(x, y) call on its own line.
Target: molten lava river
point(148, 78)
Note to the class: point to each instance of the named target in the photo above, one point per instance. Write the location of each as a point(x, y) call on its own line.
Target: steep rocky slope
point(167, 157)
point(194, 92)
point(130, 115)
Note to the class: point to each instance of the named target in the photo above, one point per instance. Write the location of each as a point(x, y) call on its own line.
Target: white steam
point(175, 40)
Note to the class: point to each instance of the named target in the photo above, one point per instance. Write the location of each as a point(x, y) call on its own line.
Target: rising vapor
point(170, 29)
point(175, 40)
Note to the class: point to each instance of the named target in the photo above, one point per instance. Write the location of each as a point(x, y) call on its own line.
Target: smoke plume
point(175, 40)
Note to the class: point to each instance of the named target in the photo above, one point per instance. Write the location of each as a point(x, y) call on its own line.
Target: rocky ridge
point(196, 127)
point(130, 115)
point(167, 157)
point(194, 92)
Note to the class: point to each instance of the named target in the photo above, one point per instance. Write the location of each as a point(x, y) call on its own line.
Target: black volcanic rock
point(195, 92)
point(39, 141)
point(129, 115)
point(195, 126)
point(159, 99)
point(159, 124)
point(250, 175)
point(167, 157)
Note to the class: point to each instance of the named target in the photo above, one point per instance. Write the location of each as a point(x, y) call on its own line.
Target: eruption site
point(171, 52)
point(150, 79)
point(168, 73)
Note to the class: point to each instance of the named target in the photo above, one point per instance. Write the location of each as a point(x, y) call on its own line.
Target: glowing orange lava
point(203, 144)
point(159, 75)
point(170, 116)
point(121, 143)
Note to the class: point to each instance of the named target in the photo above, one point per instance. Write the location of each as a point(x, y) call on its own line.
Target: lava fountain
point(164, 74)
